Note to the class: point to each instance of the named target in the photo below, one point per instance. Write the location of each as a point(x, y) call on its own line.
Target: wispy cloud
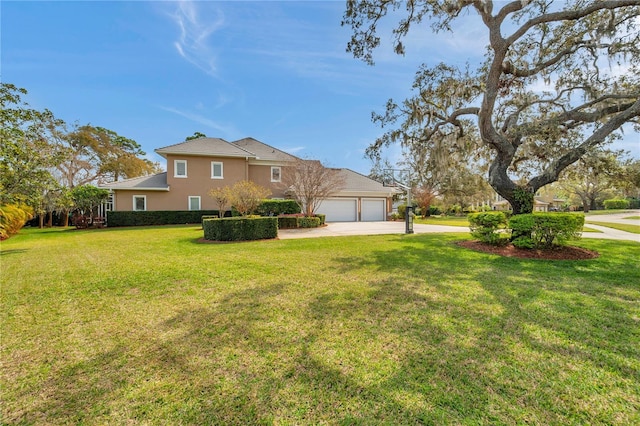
point(294, 149)
point(193, 43)
point(227, 130)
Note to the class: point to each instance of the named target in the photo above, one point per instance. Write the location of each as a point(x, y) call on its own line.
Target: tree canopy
point(558, 79)
point(25, 152)
point(40, 159)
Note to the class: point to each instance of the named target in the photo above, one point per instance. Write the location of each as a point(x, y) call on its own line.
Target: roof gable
point(210, 147)
point(263, 151)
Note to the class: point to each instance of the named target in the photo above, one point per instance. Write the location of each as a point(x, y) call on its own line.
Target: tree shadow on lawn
point(427, 332)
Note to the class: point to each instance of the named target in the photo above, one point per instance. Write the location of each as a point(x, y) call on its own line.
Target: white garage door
point(373, 210)
point(339, 210)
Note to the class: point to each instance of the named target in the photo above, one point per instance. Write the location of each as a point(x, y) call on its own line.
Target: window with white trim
point(139, 203)
point(194, 202)
point(180, 168)
point(276, 174)
point(217, 170)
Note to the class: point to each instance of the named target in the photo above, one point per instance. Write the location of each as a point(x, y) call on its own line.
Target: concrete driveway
point(378, 228)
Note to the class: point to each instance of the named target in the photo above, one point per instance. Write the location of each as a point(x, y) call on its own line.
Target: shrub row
point(122, 218)
point(240, 228)
point(277, 207)
point(616, 203)
point(539, 230)
point(300, 221)
point(12, 219)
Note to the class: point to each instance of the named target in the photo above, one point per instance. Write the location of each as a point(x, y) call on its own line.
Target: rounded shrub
point(488, 227)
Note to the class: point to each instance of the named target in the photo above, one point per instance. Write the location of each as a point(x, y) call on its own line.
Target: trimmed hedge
point(616, 204)
point(488, 226)
point(277, 207)
point(308, 222)
point(123, 218)
point(545, 230)
point(300, 221)
point(240, 228)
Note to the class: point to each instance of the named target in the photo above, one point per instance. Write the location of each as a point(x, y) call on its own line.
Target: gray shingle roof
point(152, 182)
point(211, 147)
point(263, 151)
point(356, 182)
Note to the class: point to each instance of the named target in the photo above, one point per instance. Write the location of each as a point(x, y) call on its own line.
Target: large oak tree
point(586, 51)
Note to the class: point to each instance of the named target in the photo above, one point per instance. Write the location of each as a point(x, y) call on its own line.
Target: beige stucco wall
point(261, 175)
point(198, 183)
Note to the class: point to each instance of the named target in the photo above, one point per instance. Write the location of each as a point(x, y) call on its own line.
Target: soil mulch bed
point(561, 253)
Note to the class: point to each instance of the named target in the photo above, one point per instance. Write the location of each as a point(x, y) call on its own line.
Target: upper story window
point(217, 170)
point(276, 174)
point(139, 203)
point(180, 168)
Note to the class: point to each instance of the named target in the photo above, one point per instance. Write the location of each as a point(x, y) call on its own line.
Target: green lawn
point(444, 220)
point(635, 229)
point(147, 326)
point(613, 211)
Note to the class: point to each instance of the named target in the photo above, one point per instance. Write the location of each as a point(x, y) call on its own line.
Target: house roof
point(157, 182)
point(263, 151)
point(356, 182)
point(210, 147)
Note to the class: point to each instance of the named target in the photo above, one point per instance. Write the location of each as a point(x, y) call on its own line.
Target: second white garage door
point(373, 209)
point(339, 209)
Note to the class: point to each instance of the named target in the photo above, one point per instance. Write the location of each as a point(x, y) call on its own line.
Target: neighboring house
point(541, 203)
point(196, 166)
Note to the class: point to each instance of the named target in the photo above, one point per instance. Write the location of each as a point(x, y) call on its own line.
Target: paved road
point(379, 228)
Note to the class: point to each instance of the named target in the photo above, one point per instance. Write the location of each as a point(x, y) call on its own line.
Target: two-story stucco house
point(196, 166)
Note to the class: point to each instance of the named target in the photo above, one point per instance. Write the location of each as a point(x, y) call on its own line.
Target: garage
point(373, 209)
point(339, 209)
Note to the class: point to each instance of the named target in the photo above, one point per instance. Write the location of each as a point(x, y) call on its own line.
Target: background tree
point(87, 198)
point(524, 132)
point(196, 135)
point(246, 196)
point(309, 183)
point(222, 197)
point(97, 155)
point(26, 155)
point(591, 176)
point(424, 196)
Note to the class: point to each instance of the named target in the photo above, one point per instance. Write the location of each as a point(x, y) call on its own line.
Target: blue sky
point(159, 71)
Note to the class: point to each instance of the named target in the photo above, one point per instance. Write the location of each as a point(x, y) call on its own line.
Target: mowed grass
point(443, 220)
point(147, 326)
point(627, 227)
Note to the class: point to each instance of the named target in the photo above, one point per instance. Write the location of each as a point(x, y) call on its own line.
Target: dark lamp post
point(409, 220)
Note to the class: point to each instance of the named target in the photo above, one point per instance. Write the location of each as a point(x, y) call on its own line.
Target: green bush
point(322, 218)
point(277, 207)
point(287, 222)
point(145, 218)
point(12, 219)
point(545, 230)
point(488, 226)
point(616, 204)
point(240, 228)
point(434, 211)
point(300, 221)
point(308, 222)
